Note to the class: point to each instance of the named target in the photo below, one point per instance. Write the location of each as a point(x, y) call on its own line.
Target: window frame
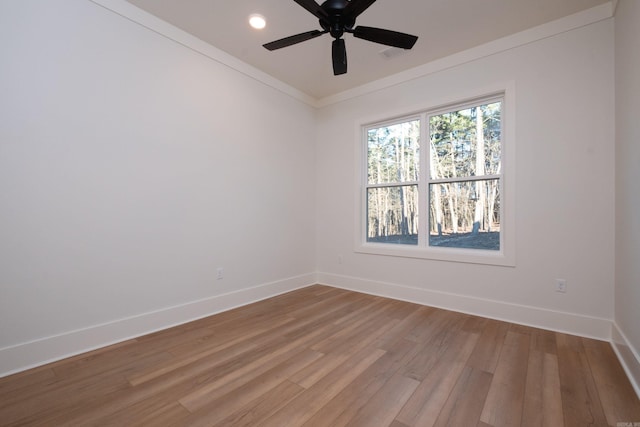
point(505, 256)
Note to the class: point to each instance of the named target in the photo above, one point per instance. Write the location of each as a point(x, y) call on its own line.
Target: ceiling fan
point(338, 17)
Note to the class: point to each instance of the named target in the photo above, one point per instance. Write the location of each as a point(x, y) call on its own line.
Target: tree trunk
point(451, 193)
point(492, 198)
point(480, 188)
point(437, 202)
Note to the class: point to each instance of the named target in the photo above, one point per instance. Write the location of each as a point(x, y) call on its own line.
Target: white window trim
point(506, 256)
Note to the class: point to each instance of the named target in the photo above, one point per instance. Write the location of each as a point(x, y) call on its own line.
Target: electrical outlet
point(561, 286)
point(220, 274)
point(339, 259)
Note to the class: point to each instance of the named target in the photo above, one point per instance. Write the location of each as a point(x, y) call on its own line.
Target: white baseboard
point(628, 357)
point(570, 323)
point(50, 349)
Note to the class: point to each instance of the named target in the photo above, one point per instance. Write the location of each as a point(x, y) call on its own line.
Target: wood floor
point(328, 357)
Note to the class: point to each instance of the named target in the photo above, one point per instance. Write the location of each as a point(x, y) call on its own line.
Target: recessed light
point(257, 21)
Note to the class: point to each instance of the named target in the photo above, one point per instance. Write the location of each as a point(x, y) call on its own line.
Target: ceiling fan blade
point(291, 40)
point(356, 7)
point(313, 7)
point(339, 55)
point(388, 37)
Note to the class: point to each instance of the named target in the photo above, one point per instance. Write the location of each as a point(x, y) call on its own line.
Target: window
point(434, 184)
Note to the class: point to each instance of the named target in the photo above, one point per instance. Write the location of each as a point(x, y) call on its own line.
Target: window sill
point(470, 256)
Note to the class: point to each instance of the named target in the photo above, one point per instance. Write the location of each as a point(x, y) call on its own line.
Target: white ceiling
point(444, 27)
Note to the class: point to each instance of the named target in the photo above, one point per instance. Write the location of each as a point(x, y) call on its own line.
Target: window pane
point(460, 138)
point(392, 215)
point(393, 153)
point(465, 214)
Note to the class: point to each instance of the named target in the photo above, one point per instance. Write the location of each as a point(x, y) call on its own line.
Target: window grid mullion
point(393, 184)
point(423, 188)
point(464, 179)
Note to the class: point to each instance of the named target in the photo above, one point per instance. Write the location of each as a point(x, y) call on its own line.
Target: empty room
point(296, 213)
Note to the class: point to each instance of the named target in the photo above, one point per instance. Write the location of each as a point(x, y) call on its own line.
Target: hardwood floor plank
point(401, 309)
point(414, 318)
point(343, 407)
point(175, 336)
point(475, 324)
point(245, 370)
point(443, 345)
point(386, 403)
point(272, 349)
point(233, 363)
point(367, 320)
point(485, 355)
point(614, 389)
point(27, 381)
point(218, 356)
point(264, 406)
point(438, 321)
point(543, 341)
point(305, 405)
point(425, 405)
point(188, 380)
point(365, 303)
point(75, 379)
point(47, 401)
point(580, 398)
point(338, 355)
point(104, 359)
point(239, 345)
point(464, 405)
point(238, 401)
point(503, 407)
point(150, 412)
point(337, 300)
point(543, 397)
point(229, 336)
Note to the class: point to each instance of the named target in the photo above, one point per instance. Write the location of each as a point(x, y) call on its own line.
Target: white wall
point(564, 178)
point(131, 168)
point(627, 289)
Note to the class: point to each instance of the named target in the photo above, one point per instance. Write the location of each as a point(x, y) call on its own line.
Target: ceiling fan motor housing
point(336, 23)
